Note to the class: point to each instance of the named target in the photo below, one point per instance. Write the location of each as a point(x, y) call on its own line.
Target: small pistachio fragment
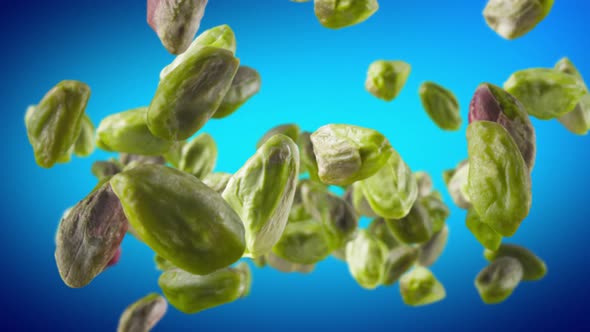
point(54, 125)
point(180, 218)
point(162, 264)
point(359, 201)
point(246, 84)
point(416, 227)
point(346, 153)
point(221, 36)
point(385, 79)
point(545, 93)
point(309, 163)
point(391, 191)
point(499, 180)
point(144, 314)
point(106, 169)
point(84, 145)
point(578, 120)
point(379, 229)
point(441, 105)
point(484, 234)
point(366, 256)
point(89, 236)
point(420, 287)
point(304, 242)
point(458, 184)
point(128, 132)
point(217, 181)
point(262, 192)
point(515, 18)
point(424, 183)
point(199, 156)
point(290, 130)
point(337, 14)
point(399, 261)
point(285, 266)
point(191, 93)
point(533, 267)
point(191, 293)
point(175, 21)
point(497, 281)
point(431, 250)
point(437, 210)
point(332, 211)
point(492, 103)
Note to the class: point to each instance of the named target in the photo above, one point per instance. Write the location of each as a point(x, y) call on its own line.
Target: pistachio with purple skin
point(492, 103)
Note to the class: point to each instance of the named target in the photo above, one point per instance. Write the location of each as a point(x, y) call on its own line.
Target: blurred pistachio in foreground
point(441, 105)
point(162, 264)
point(105, 169)
point(192, 293)
point(199, 156)
point(128, 158)
point(84, 145)
point(514, 18)
point(246, 84)
point(398, 261)
point(356, 198)
point(89, 236)
point(54, 125)
point(416, 227)
point(285, 266)
point(143, 315)
point(290, 130)
point(346, 153)
point(578, 120)
point(437, 210)
point(545, 93)
point(366, 257)
point(180, 218)
point(497, 281)
point(484, 234)
point(424, 183)
point(379, 229)
point(420, 287)
point(304, 242)
point(217, 181)
point(336, 14)
point(431, 250)
point(309, 163)
point(533, 267)
point(262, 192)
point(385, 79)
point(458, 184)
point(175, 21)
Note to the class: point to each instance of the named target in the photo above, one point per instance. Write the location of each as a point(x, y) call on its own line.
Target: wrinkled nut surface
point(399, 261)
point(499, 180)
point(191, 93)
point(336, 14)
point(366, 256)
point(514, 18)
point(433, 249)
point(441, 105)
point(262, 192)
point(578, 120)
point(458, 185)
point(285, 266)
point(309, 163)
point(217, 181)
point(84, 145)
point(191, 293)
point(545, 93)
point(533, 267)
point(385, 79)
point(128, 132)
point(180, 218)
point(346, 153)
point(497, 281)
point(391, 191)
point(304, 242)
point(420, 287)
point(199, 156)
point(484, 234)
point(290, 130)
point(416, 227)
point(54, 125)
point(245, 85)
point(89, 236)
point(437, 210)
point(175, 21)
point(143, 315)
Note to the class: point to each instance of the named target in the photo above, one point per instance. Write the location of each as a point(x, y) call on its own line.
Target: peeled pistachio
point(437, 210)
point(424, 183)
point(199, 156)
point(441, 105)
point(285, 266)
point(379, 229)
point(84, 145)
point(290, 130)
point(217, 181)
point(420, 287)
point(366, 256)
point(304, 242)
point(337, 14)
point(246, 84)
point(162, 264)
point(385, 79)
point(416, 227)
point(175, 21)
point(458, 184)
point(578, 120)
point(431, 250)
point(514, 18)
point(173, 154)
point(128, 158)
point(533, 267)
point(89, 236)
point(399, 260)
point(309, 163)
point(485, 234)
point(143, 315)
point(106, 169)
point(497, 281)
point(359, 201)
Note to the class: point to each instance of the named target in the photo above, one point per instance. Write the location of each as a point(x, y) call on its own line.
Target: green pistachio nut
point(484, 234)
point(191, 293)
point(533, 267)
point(304, 242)
point(298, 211)
point(379, 229)
point(290, 130)
point(191, 93)
point(366, 256)
point(515, 18)
point(173, 155)
point(84, 145)
point(497, 281)
point(285, 266)
point(433, 249)
point(128, 132)
point(246, 84)
point(499, 181)
point(385, 79)
point(217, 181)
point(399, 261)
point(143, 315)
point(359, 201)
point(54, 125)
point(337, 14)
point(545, 93)
point(199, 156)
point(416, 227)
point(346, 153)
point(578, 120)
point(309, 163)
point(180, 218)
point(420, 287)
point(175, 21)
point(89, 236)
point(106, 169)
point(262, 192)
point(458, 185)
point(424, 183)
point(441, 105)
point(128, 158)
point(437, 210)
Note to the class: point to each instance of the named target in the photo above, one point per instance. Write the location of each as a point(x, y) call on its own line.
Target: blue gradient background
point(312, 76)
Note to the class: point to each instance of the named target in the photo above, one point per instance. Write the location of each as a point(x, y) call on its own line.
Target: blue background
point(312, 76)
